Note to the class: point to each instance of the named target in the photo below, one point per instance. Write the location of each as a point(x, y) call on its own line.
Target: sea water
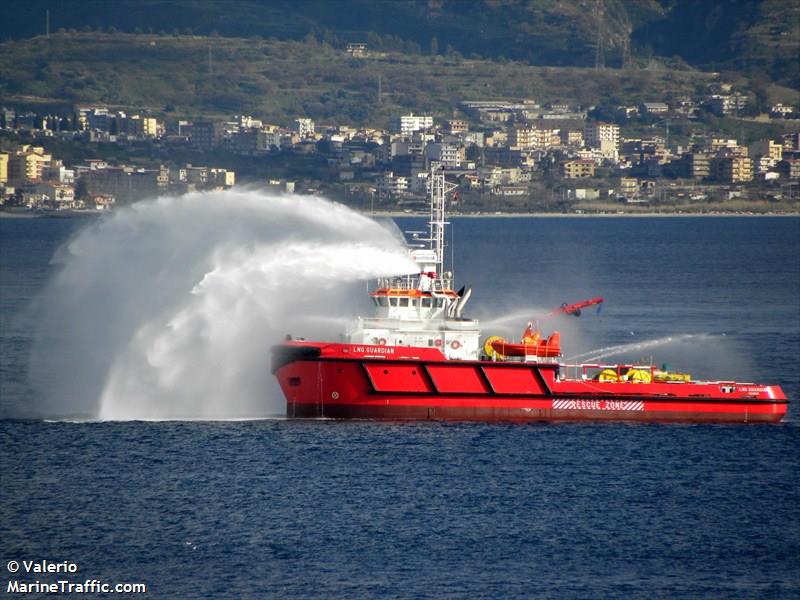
point(322, 509)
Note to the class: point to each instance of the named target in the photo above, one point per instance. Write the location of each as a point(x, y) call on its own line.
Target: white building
point(419, 184)
point(222, 177)
point(94, 118)
point(594, 133)
point(271, 138)
point(408, 124)
point(392, 185)
point(603, 137)
point(59, 194)
point(304, 128)
point(779, 110)
point(722, 105)
point(654, 108)
point(450, 155)
point(248, 122)
point(57, 172)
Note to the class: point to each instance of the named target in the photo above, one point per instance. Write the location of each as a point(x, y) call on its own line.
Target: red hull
point(349, 381)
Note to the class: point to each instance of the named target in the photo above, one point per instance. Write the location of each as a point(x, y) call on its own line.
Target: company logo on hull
point(598, 405)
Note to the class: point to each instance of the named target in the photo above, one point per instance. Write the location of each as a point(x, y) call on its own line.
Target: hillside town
point(505, 156)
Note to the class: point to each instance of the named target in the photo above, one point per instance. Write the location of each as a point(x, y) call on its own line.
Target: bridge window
point(426, 302)
point(403, 301)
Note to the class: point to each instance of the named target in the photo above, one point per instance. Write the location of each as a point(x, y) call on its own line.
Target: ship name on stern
point(373, 350)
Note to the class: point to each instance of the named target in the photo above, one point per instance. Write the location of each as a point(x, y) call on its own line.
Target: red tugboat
point(420, 358)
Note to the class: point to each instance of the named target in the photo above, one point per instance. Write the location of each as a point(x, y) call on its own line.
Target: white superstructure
point(423, 310)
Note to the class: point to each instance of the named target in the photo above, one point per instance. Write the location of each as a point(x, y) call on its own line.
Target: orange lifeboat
point(532, 345)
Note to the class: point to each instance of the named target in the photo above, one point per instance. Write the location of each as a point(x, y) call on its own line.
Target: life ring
point(489, 349)
point(608, 375)
point(437, 342)
point(382, 342)
point(639, 376)
point(455, 344)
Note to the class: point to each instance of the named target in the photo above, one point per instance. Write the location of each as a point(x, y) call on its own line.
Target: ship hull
point(341, 381)
point(393, 411)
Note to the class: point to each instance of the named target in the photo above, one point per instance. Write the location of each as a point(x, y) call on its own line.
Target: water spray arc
point(166, 309)
point(619, 349)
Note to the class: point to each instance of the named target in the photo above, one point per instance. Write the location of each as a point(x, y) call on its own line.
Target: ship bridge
point(422, 309)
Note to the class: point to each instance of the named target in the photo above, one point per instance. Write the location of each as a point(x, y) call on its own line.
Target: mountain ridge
point(752, 36)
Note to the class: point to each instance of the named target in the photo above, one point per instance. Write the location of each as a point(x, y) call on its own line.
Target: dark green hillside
point(552, 32)
point(752, 35)
point(279, 80)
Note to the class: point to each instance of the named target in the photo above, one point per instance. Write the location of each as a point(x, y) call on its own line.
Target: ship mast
point(439, 187)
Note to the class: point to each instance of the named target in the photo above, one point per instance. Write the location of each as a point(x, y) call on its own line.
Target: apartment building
point(59, 194)
point(138, 126)
point(94, 118)
point(494, 176)
point(533, 137)
point(628, 187)
point(697, 166)
point(206, 134)
point(408, 124)
point(723, 104)
point(718, 144)
point(57, 172)
point(571, 138)
point(789, 168)
point(25, 164)
point(304, 128)
point(578, 169)
point(732, 169)
point(221, 177)
point(596, 133)
point(456, 125)
point(603, 137)
point(768, 149)
point(125, 184)
point(391, 184)
point(450, 155)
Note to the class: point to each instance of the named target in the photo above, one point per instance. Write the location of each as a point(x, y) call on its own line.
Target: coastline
point(56, 214)
point(72, 214)
point(549, 215)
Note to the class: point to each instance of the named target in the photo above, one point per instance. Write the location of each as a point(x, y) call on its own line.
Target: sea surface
point(273, 508)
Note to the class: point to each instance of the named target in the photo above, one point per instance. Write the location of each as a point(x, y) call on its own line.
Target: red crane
point(574, 309)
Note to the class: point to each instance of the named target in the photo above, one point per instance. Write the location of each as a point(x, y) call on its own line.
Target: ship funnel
point(462, 301)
